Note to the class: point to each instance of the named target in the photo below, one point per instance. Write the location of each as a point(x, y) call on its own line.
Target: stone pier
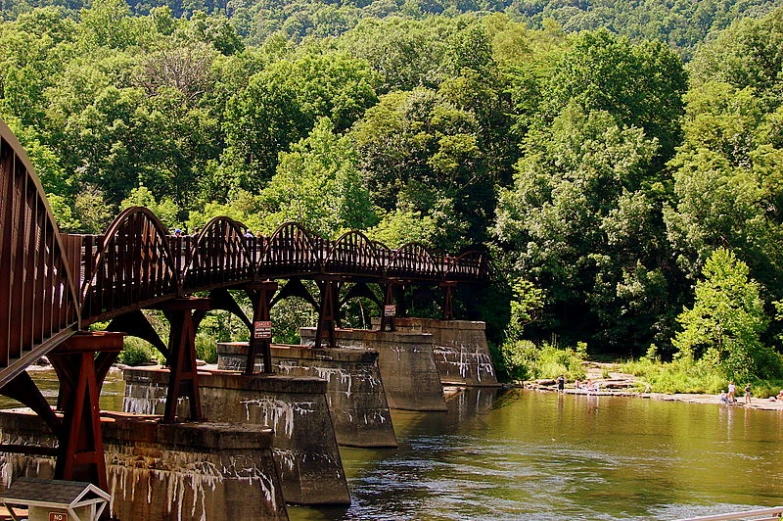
point(460, 349)
point(408, 370)
point(354, 390)
point(165, 472)
point(305, 447)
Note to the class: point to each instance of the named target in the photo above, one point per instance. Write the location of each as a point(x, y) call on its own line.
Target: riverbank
point(606, 382)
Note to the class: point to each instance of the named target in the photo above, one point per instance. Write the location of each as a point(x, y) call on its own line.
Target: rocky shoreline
point(619, 384)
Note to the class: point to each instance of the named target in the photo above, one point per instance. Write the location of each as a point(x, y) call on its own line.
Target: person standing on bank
point(747, 394)
point(561, 384)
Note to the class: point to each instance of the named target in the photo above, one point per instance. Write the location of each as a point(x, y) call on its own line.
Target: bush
point(137, 352)
point(206, 348)
point(524, 360)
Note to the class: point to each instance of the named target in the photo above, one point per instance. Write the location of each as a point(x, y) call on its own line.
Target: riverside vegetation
point(629, 184)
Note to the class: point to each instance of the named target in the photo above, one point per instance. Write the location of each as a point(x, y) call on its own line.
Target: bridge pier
point(165, 472)
point(354, 389)
point(305, 447)
point(409, 374)
point(460, 349)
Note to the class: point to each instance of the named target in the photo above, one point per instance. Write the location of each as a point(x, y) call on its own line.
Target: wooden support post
point(183, 379)
point(389, 308)
point(80, 455)
point(448, 297)
point(327, 313)
point(261, 332)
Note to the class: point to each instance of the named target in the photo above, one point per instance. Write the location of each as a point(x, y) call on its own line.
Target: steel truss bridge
point(56, 288)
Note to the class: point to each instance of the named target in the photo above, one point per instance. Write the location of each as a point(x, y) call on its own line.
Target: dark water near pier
point(534, 456)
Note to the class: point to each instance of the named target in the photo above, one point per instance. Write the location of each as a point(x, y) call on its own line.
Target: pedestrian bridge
point(54, 287)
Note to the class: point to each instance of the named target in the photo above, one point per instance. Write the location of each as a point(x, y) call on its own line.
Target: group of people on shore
point(589, 385)
point(728, 396)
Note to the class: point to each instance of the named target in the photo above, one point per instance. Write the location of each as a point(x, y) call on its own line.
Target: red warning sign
point(262, 329)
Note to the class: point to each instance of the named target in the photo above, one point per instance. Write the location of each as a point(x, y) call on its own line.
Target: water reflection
point(525, 455)
point(46, 380)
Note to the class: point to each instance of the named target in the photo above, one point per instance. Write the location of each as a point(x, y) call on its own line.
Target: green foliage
point(583, 220)
point(206, 348)
point(137, 352)
point(524, 360)
point(525, 307)
point(288, 316)
point(579, 159)
point(679, 376)
point(726, 321)
point(318, 185)
point(166, 210)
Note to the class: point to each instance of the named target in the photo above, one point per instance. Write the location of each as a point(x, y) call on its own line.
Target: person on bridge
point(248, 233)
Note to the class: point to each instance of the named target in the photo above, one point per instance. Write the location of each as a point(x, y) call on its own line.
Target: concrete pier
point(305, 447)
point(408, 370)
point(460, 349)
point(166, 472)
point(354, 389)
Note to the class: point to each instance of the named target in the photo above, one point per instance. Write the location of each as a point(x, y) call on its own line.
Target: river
point(541, 456)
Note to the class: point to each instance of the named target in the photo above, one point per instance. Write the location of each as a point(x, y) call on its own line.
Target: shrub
point(206, 348)
point(523, 360)
point(137, 352)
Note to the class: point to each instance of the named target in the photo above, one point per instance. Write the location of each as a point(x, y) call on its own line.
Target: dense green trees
point(601, 169)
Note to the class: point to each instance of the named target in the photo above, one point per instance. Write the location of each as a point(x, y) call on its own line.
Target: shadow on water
point(537, 456)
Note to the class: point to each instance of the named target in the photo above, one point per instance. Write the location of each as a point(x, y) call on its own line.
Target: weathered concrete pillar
point(460, 349)
point(166, 472)
point(305, 446)
point(354, 389)
point(408, 370)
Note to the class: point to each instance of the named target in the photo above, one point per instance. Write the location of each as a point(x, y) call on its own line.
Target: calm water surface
point(540, 456)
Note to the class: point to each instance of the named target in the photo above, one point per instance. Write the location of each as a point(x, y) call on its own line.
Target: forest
point(621, 161)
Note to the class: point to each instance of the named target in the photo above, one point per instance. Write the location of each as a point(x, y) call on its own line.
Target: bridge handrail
point(772, 514)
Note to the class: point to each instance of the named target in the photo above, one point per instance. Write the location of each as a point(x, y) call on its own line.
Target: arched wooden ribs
point(470, 266)
point(220, 256)
point(413, 261)
point(38, 299)
point(354, 254)
point(133, 267)
point(291, 251)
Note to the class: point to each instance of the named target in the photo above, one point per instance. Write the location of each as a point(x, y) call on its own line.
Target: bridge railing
point(136, 264)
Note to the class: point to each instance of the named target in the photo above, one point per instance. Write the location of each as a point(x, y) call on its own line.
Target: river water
point(526, 455)
point(541, 456)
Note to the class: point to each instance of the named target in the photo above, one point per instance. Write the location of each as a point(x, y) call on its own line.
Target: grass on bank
point(523, 360)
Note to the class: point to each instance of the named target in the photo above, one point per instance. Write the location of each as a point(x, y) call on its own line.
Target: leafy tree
point(727, 320)
point(638, 84)
point(319, 185)
point(583, 220)
point(282, 103)
point(402, 226)
point(166, 210)
point(92, 210)
point(420, 152)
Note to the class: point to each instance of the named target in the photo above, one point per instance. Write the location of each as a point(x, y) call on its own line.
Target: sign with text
point(262, 329)
point(58, 516)
point(390, 310)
